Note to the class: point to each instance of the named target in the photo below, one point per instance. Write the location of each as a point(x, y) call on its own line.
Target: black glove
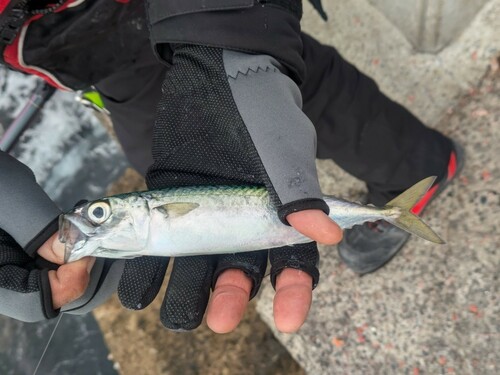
point(226, 118)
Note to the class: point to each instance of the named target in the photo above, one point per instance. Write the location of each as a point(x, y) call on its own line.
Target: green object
point(91, 98)
point(94, 97)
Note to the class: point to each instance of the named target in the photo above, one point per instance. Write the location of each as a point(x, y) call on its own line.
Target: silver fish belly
point(194, 221)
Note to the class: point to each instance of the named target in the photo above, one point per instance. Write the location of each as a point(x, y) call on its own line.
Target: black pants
point(358, 127)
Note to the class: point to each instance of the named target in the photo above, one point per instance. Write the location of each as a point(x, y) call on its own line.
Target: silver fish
point(210, 220)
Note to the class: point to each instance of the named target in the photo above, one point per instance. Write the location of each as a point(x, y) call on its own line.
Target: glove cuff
point(310, 269)
point(253, 264)
point(304, 257)
point(301, 205)
point(46, 296)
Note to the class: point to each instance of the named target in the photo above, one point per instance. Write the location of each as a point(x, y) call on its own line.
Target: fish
point(202, 220)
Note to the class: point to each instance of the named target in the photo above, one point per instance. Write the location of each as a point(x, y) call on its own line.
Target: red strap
point(11, 57)
point(3, 4)
point(417, 209)
point(452, 166)
point(452, 169)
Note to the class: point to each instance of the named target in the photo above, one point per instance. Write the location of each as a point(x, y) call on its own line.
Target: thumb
point(316, 225)
point(70, 281)
point(52, 250)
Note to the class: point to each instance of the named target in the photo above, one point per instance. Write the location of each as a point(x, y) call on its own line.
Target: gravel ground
point(434, 308)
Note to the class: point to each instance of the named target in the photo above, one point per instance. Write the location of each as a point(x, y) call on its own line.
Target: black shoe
point(365, 248)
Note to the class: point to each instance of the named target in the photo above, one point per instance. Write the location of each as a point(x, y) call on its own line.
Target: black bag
point(75, 43)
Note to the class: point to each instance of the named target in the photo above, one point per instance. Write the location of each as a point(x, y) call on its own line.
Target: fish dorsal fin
point(176, 209)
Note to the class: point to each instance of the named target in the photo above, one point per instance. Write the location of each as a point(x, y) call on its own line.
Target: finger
point(292, 300)
point(141, 281)
point(52, 250)
point(188, 292)
point(229, 301)
point(316, 225)
point(70, 281)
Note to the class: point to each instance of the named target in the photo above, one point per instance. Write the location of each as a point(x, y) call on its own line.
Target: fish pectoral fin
point(176, 209)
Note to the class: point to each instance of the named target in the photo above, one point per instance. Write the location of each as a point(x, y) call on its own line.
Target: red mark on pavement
point(480, 112)
point(486, 175)
point(473, 91)
point(361, 337)
point(338, 342)
point(474, 309)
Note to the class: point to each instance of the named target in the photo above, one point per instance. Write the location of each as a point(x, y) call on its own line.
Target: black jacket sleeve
point(26, 211)
point(270, 27)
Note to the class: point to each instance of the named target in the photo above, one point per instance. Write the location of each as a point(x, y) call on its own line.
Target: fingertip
point(228, 302)
point(226, 309)
point(292, 300)
point(316, 225)
point(52, 250)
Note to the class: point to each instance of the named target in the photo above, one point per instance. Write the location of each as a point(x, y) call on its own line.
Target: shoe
point(365, 248)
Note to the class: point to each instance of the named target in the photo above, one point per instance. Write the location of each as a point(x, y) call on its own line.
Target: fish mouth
point(73, 238)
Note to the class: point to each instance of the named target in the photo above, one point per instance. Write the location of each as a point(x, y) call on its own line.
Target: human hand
point(26, 282)
point(69, 281)
point(27, 220)
point(293, 296)
point(32, 284)
point(227, 118)
point(233, 287)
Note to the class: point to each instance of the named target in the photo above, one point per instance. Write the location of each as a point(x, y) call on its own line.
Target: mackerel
point(211, 220)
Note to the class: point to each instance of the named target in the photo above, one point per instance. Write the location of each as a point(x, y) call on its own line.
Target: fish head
point(102, 227)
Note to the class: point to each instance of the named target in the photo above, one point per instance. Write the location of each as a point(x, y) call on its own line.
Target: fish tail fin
point(408, 221)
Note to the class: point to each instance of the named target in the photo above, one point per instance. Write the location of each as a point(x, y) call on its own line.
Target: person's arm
point(34, 283)
point(27, 213)
point(268, 27)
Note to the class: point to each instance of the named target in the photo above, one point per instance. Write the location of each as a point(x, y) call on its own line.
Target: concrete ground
point(433, 309)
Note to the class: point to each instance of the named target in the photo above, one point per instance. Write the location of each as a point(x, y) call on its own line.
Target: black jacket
point(74, 47)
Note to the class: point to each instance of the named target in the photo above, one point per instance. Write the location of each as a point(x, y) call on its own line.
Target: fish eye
point(99, 212)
